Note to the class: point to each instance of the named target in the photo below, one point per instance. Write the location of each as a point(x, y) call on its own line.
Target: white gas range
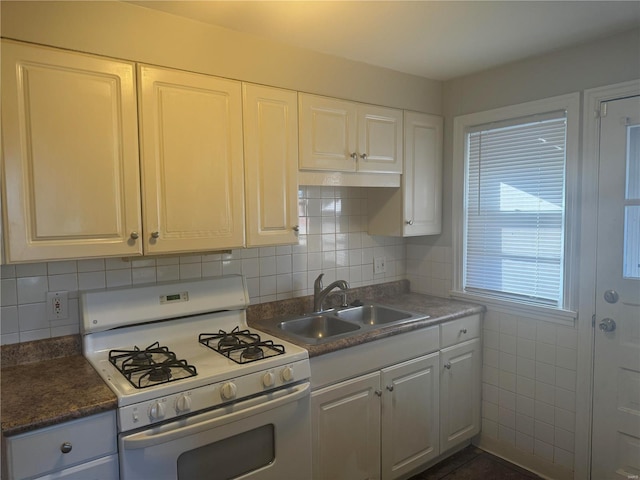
point(192, 380)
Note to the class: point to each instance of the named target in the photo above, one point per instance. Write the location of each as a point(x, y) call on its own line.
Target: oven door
point(263, 438)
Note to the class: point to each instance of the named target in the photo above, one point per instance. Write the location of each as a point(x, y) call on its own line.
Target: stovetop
point(184, 337)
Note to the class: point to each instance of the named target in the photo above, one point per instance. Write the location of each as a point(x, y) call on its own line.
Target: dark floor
point(474, 464)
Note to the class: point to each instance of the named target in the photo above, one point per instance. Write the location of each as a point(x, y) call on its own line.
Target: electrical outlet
point(57, 305)
point(379, 265)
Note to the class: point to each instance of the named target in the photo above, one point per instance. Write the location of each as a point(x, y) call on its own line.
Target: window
point(513, 222)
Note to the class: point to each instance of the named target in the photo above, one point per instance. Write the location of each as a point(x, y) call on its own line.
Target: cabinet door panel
point(70, 152)
point(346, 430)
point(191, 133)
point(409, 415)
point(271, 164)
point(327, 134)
point(379, 139)
point(460, 390)
point(422, 179)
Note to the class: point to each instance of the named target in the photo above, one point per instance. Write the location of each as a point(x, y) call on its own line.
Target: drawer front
point(105, 468)
point(459, 330)
point(41, 451)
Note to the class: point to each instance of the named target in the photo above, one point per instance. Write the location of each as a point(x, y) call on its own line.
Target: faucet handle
point(317, 285)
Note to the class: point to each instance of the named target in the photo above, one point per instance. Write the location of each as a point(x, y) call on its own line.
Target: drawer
point(105, 468)
point(459, 330)
point(40, 452)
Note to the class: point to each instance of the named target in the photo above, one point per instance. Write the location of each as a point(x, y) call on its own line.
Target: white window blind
point(514, 211)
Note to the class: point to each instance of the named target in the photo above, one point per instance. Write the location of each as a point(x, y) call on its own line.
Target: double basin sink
point(316, 328)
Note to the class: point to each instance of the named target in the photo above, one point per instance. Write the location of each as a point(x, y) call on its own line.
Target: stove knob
point(228, 391)
point(287, 374)
point(183, 404)
point(268, 379)
point(156, 412)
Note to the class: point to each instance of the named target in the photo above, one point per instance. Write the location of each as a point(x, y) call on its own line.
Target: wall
point(333, 241)
point(135, 33)
point(535, 408)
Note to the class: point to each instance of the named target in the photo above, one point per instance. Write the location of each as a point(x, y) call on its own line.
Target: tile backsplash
point(333, 240)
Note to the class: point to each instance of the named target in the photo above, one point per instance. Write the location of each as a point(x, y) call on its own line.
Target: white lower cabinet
point(380, 425)
point(83, 449)
point(460, 393)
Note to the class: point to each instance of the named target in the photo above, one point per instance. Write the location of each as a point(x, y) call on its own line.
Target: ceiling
point(433, 39)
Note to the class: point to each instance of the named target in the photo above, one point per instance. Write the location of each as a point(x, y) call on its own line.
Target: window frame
point(570, 103)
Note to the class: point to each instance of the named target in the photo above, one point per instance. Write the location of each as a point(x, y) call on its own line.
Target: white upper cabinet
point(328, 134)
point(271, 165)
point(338, 136)
point(192, 161)
point(416, 207)
point(70, 151)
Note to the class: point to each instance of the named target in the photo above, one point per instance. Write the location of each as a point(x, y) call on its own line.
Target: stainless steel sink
point(317, 328)
point(373, 315)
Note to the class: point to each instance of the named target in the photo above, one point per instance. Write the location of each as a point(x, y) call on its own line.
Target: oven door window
point(231, 457)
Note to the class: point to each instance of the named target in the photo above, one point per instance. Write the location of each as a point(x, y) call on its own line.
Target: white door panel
point(616, 402)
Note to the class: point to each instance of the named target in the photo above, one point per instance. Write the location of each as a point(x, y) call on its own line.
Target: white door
point(616, 402)
point(409, 415)
point(345, 427)
point(192, 161)
point(271, 164)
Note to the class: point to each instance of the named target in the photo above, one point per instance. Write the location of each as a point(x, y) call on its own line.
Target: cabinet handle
point(66, 447)
point(447, 365)
point(464, 330)
point(155, 234)
point(354, 156)
point(134, 235)
point(390, 388)
point(296, 228)
point(378, 393)
point(363, 156)
point(409, 222)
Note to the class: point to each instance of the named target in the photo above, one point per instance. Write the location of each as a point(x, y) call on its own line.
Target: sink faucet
point(319, 294)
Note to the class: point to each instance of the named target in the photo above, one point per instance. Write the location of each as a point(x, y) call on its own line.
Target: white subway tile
point(566, 378)
point(250, 267)
point(7, 271)
point(31, 335)
point(267, 266)
point(545, 392)
point(118, 278)
point(92, 280)
point(543, 450)
point(167, 273)
point(546, 353)
point(506, 434)
point(544, 432)
point(525, 405)
point(59, 268)
point(524, 442)
point(231, 267)
point(31, 270)
point(563, 458)
point(92, 265)
point(33, 289)
point(67, 281)
point(8, 292)
point(144, 275)
point(565, 419)
point(190, 270)
point(9, 320)
point(524, 424)
point(490, 411)
point(564, 439)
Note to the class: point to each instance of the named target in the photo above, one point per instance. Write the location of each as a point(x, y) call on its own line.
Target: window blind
point(514, 209)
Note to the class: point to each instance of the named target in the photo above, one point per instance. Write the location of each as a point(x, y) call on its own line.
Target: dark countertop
point(439, 310)
point(44, 393)
point(47, 382)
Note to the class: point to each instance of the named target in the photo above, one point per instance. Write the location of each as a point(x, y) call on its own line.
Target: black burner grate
point(152, 366)
point(241, 346)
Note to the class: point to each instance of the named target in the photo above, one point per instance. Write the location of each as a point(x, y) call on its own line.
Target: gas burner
point(248, 346)
point(252, 352)
point(152, 366)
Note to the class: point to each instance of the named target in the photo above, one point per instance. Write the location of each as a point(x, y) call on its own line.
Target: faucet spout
point(320, 293)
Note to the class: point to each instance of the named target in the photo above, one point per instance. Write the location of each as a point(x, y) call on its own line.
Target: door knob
point(155, 234)
point(607, 325)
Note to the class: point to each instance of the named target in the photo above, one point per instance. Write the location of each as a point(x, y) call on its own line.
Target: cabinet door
point(271, 164)
point(422, 179)
point(192, 161)
point(327, 134)
point(460, 389)
point(409, 415)
point(70, 149)
point(346, 430)
point(379, 139)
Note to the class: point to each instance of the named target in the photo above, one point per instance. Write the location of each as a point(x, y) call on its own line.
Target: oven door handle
point(215, 418)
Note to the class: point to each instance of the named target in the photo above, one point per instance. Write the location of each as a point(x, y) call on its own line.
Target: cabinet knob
point(296, 228)
point(354, 156)
point(363, 156)
point(66, 447)
point(390, 388)
point(378, 393)
point(464, 330)
point(447, 365)
point(134, 235)
point(409, 222)
point(155, 234)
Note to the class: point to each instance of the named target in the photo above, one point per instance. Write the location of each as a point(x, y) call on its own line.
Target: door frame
point(588, 249)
